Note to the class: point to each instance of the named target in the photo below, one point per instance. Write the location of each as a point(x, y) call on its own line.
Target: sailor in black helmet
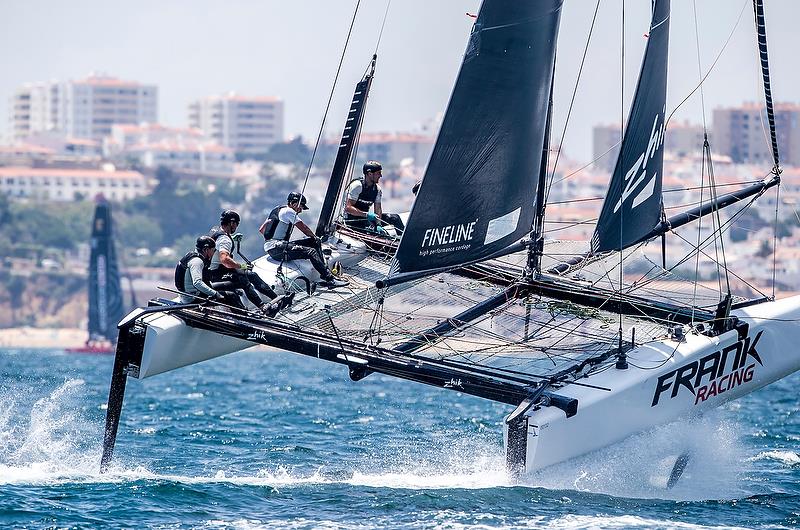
point(277, 229)
point(191, 276)
point(365, 193)
point(224, 268)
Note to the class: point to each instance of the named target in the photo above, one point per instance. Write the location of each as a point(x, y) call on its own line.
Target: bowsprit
point(719, 374)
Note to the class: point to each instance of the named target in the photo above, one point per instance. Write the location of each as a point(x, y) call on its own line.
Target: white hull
point(170, 343)
point(667, 380)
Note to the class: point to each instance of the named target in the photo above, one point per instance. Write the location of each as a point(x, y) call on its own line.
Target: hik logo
point(636, 178)
point(720, 375)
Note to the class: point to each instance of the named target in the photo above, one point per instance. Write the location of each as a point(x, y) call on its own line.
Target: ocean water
point(264, 439)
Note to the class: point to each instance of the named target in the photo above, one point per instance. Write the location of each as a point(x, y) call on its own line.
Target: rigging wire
point(703, 165)
point(330, 97)
point(572, 103)
point(622, 134)
point(710, 68)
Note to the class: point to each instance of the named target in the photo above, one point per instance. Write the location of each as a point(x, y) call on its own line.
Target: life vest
point(271, 225)
point(215, 232)
point(366, 198)
point(183, 266)
point(274, 223)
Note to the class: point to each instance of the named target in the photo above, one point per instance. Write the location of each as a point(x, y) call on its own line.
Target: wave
point(788, 458)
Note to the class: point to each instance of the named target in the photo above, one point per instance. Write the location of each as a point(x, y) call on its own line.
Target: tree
point(167, 181)
point(292, 152)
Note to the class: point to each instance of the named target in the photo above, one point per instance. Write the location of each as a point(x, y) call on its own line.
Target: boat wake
point(640, 466)
point(52, 440)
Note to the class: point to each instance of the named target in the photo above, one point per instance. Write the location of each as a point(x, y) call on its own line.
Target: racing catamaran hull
point(665, 381)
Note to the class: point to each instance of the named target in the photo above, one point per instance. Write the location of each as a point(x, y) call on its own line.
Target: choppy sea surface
point(262, 439)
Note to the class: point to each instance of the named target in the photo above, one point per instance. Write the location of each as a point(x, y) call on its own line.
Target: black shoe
point(270, 310)
point(333, 282)
point(283, 301)
point(288, 299)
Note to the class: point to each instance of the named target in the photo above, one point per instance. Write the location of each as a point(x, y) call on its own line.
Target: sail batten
point(633, 203)
point(479, 191)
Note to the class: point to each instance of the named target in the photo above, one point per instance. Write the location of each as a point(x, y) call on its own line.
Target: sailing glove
point(371, 217)
point(238, 236)
point(246, 267)
point(380, 230)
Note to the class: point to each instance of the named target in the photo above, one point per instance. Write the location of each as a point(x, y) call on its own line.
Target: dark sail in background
point(105, 293)
point(633, 204)
point(479, 191)
point(347, 144)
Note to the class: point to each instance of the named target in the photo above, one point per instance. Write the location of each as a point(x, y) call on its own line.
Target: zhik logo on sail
point(719, 375)
point(636, 177)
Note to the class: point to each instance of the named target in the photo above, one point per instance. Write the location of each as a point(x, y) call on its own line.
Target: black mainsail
point(105, 293)
point(479, 191)
point(633, 203)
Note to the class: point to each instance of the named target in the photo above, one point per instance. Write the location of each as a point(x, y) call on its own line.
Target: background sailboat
point(105, 291)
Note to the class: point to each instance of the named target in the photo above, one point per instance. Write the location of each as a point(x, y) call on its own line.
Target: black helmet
point(296, 196)
point(372, 166)
point(228, 216)
point(204, 242)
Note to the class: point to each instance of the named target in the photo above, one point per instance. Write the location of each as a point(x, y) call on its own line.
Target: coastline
point(28, 337)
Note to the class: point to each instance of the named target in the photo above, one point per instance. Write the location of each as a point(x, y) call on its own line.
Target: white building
point(186, 150)
point(58, 184)
point(196, 158)
point(245, 124)
point(394, 149)
point(86, 108)
point(126, 136)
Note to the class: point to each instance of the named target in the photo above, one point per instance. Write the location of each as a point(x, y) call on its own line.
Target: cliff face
point(45, 299)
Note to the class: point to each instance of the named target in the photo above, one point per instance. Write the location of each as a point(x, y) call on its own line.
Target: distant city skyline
point(198, 48)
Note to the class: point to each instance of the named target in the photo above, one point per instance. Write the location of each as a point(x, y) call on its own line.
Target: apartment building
point(85, 108)
point(743, 133)
point(245, 124)
point(682, 139)
point(59, 184)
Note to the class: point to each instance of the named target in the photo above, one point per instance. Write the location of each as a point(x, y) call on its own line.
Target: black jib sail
point(105, 293)
point(633, 204)
point(479, 191)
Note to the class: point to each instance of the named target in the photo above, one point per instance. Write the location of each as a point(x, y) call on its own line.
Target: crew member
point(365, 193)
point(277, 229)
point(194, 285)
point(224, 268)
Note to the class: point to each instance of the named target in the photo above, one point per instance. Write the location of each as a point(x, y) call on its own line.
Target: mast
point(344, 155)
point(536, 249)
point(761, 33)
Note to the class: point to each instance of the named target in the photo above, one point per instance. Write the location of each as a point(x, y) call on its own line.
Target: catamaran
point(475, 299)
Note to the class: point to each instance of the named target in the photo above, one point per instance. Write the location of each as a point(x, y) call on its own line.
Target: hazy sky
point(290, 48)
